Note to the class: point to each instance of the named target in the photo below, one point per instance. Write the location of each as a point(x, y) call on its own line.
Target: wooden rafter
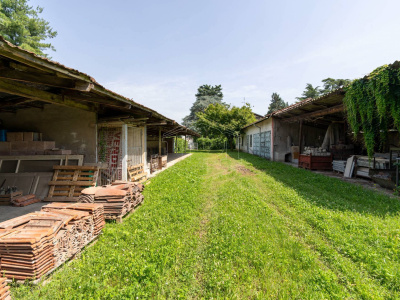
point(20, 89)
point(316, 114)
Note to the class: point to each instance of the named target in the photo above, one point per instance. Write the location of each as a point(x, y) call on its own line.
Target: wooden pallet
point(7, 198)
point(69, 181)
point(137, 173)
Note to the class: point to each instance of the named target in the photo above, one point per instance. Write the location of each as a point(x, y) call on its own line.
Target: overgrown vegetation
point(213, 226)
point(220, 121)
point(373, 105)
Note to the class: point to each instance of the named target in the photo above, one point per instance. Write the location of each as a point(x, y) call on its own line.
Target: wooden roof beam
point(20, 89)
point(31, 75)
point(315, 114)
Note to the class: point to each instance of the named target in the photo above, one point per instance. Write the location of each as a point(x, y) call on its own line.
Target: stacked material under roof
point(27, 251)
point(118, 199)
point(24, 201)
point(87, 223)
point(36, 243)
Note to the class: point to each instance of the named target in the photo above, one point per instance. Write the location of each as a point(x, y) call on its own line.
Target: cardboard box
point(28, 136)
point(5, 148)
point(41, 146)
point(15, 136)
point(19, 146)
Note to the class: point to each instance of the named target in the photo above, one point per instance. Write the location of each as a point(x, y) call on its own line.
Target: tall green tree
point(21, 25)
point(309, 92)
point(277, 103)
point(331, 84)
point(206, 95)
point(219, 120)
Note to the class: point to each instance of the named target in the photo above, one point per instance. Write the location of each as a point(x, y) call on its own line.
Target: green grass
point(213, 226)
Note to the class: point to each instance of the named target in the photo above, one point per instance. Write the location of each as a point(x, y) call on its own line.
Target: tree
point(331, 84)
point(276, 103)
point(309, 92)
point(206, 95)
point(221, 120)
point(21, 25)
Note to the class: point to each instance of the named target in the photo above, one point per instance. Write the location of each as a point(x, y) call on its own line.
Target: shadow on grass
point(324, 191)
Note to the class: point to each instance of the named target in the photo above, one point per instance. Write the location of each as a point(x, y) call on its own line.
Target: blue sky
point(159, 52)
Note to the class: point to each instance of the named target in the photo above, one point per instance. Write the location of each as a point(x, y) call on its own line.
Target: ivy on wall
point(373, 105)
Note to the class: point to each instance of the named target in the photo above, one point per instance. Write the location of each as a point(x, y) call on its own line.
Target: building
point(51, 114)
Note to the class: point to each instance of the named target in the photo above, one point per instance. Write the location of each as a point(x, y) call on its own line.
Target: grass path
point(213, 226)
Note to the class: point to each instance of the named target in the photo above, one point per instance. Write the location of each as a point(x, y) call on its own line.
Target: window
point(242, 140)
point(251, 140)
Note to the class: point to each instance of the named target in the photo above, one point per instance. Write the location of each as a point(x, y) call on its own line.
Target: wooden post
point(124, 147)
point(185, 143)
point(300, 136)
point(144, 147)
point(159, 142)
point(176, 144)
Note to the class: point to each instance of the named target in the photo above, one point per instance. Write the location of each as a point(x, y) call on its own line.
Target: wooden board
point(348, 172)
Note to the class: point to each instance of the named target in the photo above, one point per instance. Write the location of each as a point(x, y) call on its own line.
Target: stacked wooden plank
point(69, 181)
point(7, 198)
point(339, 165)
point(27, 251)
point(24, 200)
point(4, 289)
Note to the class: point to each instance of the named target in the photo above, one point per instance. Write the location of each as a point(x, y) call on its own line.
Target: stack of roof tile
point(86, 224)
point(35, 243)
point(24, 200)
point(4, 289)
point(115, 202)
point(27, 250)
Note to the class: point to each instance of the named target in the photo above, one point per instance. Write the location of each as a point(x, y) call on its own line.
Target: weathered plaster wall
point(70, 128)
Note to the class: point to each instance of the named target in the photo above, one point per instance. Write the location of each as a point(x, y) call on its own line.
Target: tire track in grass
point(330, 252)
point(246, 246)
point(360, 281)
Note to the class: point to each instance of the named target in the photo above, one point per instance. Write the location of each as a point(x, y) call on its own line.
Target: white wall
point(265, 125)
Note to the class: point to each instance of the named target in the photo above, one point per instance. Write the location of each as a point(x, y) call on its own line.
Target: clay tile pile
point(27, 251)
point(87, 223)
point(36, 243)
point(4, 289)
point(118, 199)
point(24, 200)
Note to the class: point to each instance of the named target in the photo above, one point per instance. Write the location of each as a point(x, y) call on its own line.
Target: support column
point(124, 147)
point(144, 147)
point(300, 136)
point(185, 143)
point(159, 142)
point(176, 144)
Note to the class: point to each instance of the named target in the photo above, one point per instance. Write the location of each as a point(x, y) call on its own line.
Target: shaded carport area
point(314, 123)
point(161, 143)
point(66, 107)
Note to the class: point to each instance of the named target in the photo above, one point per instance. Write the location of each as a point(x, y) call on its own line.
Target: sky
point(159, 52)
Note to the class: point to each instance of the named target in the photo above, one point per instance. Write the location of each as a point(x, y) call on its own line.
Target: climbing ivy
point(373, 105)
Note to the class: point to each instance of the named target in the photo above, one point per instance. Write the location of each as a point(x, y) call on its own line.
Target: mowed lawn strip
point(215, 226)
